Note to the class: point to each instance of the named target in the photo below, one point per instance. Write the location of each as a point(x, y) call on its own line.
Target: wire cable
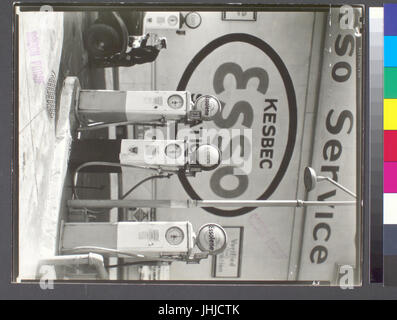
point(102, 250)
point(145, 262)
point(143, 181)
point(111, 164)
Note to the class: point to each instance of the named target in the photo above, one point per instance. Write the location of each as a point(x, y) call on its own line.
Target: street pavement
point(50, 45)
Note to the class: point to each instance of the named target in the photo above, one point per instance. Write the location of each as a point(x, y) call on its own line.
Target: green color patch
point(390, 83)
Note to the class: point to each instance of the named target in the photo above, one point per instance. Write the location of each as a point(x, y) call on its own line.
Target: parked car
point(111, 32)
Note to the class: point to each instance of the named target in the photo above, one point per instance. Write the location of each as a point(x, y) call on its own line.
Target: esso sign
point(211, 238)
point(209, 107)
point(256, 128)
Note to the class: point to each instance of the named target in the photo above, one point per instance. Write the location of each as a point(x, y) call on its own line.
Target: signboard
point(260, 77)
point(238, 16)
point(258, 123)
point(228, 263)
point(331, 233)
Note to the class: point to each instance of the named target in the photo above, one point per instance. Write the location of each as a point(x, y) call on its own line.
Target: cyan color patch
point(390, 51)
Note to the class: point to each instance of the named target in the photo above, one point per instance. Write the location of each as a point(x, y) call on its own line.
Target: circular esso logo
point(255, 128)
point(209, 106)
point(211, 238)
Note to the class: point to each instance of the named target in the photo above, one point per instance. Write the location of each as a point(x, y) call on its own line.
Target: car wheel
point(102, 40)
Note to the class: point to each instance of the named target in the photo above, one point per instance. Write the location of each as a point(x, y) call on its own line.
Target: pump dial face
point(174, 236)
point(175, 101)
point(173, 151)
point(172, 20)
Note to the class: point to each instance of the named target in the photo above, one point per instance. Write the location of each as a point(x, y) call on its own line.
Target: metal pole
point(123, 123)
point(341, 187)
point(108, 204)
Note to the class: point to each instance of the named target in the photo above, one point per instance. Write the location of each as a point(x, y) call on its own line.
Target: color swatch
point(390, 145)
point(390, 102)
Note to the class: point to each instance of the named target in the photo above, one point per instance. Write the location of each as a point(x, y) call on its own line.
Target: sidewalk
point(40, 46)
point(50, 49)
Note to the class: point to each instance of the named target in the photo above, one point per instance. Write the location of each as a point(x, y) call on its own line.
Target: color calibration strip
point(390, 144)
point(374, 143)
point(390, 114)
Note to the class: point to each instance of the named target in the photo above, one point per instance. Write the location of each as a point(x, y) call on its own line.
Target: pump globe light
point(208, 105)
point(211, 238)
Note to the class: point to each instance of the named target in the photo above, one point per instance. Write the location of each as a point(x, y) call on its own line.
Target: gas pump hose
point(111, 164)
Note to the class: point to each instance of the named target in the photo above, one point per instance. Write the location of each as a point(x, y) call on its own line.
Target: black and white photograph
point(188, 144)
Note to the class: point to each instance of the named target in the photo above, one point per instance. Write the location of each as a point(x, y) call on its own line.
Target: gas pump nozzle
point(197, 257)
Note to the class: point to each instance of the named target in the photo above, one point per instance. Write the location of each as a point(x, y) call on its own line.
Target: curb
point(67, 121)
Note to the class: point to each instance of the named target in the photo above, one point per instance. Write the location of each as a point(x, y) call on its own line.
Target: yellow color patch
point(390, 114)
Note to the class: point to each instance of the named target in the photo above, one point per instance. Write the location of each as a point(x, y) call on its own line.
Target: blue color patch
point(390, 19)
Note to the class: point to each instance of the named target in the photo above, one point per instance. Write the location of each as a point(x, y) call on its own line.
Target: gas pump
point(102, 108)
point(171, 21)
point(171, 156)
point(166, 157)
point(162, 20)
point(164, 241)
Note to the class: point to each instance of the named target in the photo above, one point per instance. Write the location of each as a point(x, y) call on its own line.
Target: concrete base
point(67, 121)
